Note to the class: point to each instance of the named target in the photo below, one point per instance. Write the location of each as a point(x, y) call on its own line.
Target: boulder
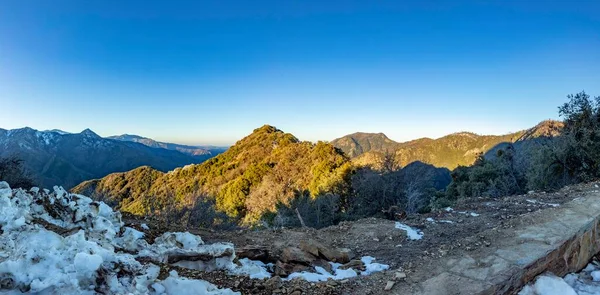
point(295, 255)
point(354, 264)
point(324, 264)
point(283, 269)
point(331, 254)
point(253, 253)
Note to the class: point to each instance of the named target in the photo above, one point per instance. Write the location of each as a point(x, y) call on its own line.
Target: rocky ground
point(470, 225)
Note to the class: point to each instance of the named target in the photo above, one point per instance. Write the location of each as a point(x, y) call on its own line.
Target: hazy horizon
point(225, 144)
point(202, 72)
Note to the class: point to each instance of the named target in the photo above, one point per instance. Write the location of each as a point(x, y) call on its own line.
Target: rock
point(399, 275)
point(291, 254)
point(311, 246)
point(283, 269)
point(335, 255)
point(324, 264)
point(332, 283)
point(273, 283)
point(354, 264)
point(389, 285)
point(253, 253)
point(317, 249)
point(348, 252)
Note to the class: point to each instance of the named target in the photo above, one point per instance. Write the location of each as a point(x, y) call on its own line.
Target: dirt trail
point(470, 225)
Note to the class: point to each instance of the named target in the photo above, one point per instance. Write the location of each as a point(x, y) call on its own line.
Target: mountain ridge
point(186, 149)
point(70, 158)
point(449, 151)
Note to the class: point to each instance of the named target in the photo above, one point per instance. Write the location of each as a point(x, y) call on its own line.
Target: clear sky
point(209, 72)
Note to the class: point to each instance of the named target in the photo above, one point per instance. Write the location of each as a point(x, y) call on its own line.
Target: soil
point(460, 233)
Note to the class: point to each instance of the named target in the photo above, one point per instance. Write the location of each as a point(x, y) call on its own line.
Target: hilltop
point(266, 167)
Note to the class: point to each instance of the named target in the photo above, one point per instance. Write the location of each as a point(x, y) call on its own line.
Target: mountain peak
point(61, 132)
point(89, 133)
point(266, 129)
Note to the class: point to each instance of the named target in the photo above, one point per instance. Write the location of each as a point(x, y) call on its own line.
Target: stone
point(335, 255)
point(253, 253)
point(311, 246)
point(354, 264)
point(273, 283)
point(317, 249)
point(324, 264)
point(399, 275)
point(283, 269)
point(291, 254)
point(389, 285)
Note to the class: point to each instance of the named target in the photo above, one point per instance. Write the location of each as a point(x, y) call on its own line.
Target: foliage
point(493, 177)
point(575, 155)
point(317, 212)
point(245, 182)
point(538, 163)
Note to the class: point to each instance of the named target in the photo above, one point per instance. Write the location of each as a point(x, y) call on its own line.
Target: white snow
point(254, 269)
point(442, 221)
point(448, 209)
point(585, 282)
point(97, 254)
point(595, 275)
point(87, 262)
point(413, 234)
point(371, 266)
point(339, 274)
point(542, 203)
point(34, 259)
point(474, 214)
point(176, 285)
point(145, 226)
point(548, 285)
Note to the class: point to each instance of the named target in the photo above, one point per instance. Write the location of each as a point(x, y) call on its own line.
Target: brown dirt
point(379, 238)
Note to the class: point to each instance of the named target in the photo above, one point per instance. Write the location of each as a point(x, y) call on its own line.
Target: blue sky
point(209, 72)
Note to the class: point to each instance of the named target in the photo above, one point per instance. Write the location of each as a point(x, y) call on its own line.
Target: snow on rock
point(337, 273)
point(542, 203)
point(175, 285)
point(254, 269)
point(189, 251)
point(548, 285)
point(586, 282)
point(371, 267)
point(413, 234)
point(84, 255)
point(61, 243)
point(595, 275)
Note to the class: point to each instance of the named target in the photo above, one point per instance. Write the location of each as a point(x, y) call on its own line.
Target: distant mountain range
point(270, 166)
point(56, 157)
point(186, 149)
point(449, 151)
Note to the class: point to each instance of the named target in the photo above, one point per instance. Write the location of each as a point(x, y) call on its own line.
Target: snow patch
point(542, 203)
point(322, 275)
point(85, 260)
point(586, 282)
point(413, 234)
